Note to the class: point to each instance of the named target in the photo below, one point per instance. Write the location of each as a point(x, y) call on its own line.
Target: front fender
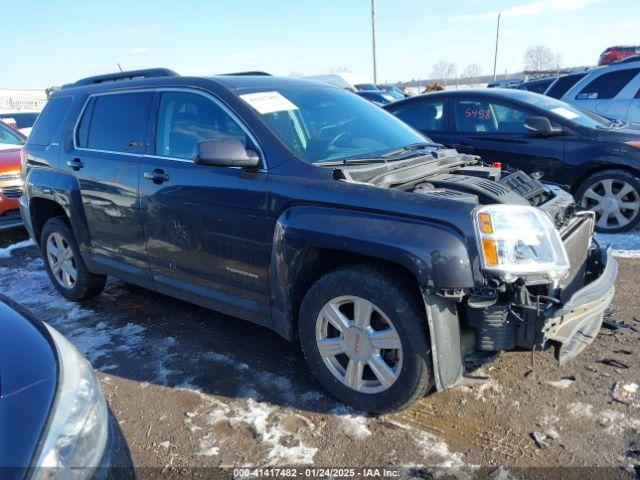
point(435, 254)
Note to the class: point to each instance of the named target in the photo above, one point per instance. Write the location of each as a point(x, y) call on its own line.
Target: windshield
point(321, 124)
point(573, 113)
point(10, 137)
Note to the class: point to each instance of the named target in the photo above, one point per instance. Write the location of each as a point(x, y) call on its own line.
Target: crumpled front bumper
point(576, 323)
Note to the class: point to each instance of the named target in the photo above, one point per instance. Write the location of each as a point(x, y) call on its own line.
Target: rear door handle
point(76, 164)
point(157, 176)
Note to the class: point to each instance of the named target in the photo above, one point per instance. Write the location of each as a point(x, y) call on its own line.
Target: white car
point(612, 91)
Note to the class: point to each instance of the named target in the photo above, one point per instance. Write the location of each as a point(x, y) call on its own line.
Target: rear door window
point(608, 85)
point(427, 116)
point(563, 84)
point(115, 122)
point(49, 121)
point(480, 116)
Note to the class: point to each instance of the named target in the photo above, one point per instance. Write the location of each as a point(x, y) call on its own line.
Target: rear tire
point(614, 195)
point(63, 262)
point(379, 359)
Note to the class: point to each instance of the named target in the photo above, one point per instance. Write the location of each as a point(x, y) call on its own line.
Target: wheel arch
point(41, 210)
point(312, 263)
point(309, 241)
point(53, 193)
point(599, 169)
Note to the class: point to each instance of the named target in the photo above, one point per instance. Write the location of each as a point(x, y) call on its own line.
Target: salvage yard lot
point(193, 388)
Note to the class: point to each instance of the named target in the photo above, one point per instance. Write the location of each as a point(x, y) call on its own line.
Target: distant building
point(22, 100)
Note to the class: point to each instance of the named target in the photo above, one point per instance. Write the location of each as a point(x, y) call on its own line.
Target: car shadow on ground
point(145, 336)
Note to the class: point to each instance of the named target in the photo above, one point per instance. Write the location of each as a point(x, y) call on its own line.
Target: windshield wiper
point(382, 158)
point(352, 161)
point(410, 148)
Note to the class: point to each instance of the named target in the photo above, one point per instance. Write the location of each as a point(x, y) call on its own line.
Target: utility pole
point(495, 58)
point(373, 38)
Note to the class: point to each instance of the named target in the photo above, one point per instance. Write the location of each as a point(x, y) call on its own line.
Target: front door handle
point(157, 176)
point(76, 164)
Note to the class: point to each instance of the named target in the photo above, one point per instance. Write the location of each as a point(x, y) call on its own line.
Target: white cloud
point(138, 51)
point(529, 9)
point(573, 5)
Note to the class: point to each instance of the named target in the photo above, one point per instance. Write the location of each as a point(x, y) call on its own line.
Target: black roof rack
point(130, 75)
point(250, 73)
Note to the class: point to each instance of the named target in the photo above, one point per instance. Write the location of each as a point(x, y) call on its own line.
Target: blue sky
point(50, 42)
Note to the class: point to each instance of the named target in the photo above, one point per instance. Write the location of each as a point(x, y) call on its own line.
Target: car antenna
point(119, 67)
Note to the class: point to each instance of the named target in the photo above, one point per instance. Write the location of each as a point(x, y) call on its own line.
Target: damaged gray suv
point(306, 209)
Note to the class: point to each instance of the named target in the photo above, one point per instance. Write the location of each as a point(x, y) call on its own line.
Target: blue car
point(53, 415)
point(377, 97)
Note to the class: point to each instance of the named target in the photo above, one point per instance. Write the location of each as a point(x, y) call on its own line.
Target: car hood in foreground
point(28, 382)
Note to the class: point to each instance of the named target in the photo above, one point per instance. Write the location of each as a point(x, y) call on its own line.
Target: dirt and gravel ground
point(193, 388)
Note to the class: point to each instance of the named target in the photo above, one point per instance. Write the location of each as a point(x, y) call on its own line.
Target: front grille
point(9, 177)
point(12, 192)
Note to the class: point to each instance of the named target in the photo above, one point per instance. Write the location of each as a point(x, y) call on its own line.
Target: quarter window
point(608, 85)
point(49, 121)
point(479, 116)
point(115, 123)
point(186, 119)
point(424, 116)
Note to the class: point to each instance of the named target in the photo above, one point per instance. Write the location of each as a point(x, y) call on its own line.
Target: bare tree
point(540, 57)
point(472, 73)
point(443, 71)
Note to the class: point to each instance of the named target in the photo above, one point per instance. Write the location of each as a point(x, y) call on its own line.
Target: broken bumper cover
point(577, 322)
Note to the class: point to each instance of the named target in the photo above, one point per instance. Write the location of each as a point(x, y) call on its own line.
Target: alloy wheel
point(615, 203)
point(61, 261)
point(359, 344)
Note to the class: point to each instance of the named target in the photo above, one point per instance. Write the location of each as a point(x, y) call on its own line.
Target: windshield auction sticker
point(268, 102)
point(568, 114)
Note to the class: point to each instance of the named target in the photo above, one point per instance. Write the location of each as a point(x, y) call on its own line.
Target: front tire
point(63, 262)
point(614, 196)
point(364, 335)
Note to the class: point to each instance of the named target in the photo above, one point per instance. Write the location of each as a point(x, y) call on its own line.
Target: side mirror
point(225, 152)
point(542, 126)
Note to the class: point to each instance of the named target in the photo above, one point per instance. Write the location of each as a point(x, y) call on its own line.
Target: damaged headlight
point(518, 241)
point(78, 428)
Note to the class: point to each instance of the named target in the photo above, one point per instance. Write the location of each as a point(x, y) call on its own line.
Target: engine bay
point(446, 173)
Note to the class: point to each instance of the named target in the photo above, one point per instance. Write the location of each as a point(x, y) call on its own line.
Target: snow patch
point(624, 245)
point(6, 251)
point(96, 335)
point(613, 422)
point(431, 446)
point(350, 423)
point(265, 423)
point(562, 383)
